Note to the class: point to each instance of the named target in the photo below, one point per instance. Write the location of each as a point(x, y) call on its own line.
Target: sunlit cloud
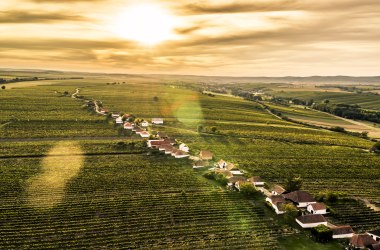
point(218, 37)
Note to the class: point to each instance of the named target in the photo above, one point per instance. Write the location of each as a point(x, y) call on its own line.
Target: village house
point(180, 154)
point(205, 155)
point(317, 208)
point(221, 164)
point(234, 179)
point(184, 147)
point(128, 125)
point(227, 173)
point(300, 198)
point(375, 234)
point(375, 246)
point(144, 124)
point(341, 232)
point(168, 149)
point(236, 171)
point(256, 180)
point(311, 220)
point(104, 111)
point(157, 121)
point(144, 134)
point(138, 130)
point(155, 143)
point(200, 164)
point(362, 241)
point(230, 166)
point(277, 190)
point(277, 202)
point(115, 115)
point(119, 120)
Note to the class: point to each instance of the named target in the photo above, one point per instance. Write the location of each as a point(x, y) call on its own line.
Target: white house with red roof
point(317, 208)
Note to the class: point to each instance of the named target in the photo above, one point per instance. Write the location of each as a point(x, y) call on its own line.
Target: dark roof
point(376, 246)
point(299, 196)
point(205, 154)
point(278, 189)
point(276, 199)
point(236, 179)
point(311, 218)
point(255, 179)
point(318, 206)
point(362, 240)
point(342, 230)
point(375, 232)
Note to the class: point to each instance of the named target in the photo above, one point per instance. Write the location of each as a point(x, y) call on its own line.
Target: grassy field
point(364, 100)
point(112, 196)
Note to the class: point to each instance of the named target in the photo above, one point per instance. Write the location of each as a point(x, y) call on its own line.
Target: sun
point(147, 24)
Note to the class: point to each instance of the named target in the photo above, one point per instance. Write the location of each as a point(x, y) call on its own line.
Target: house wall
point(377, 238)
point(311, 224)
point(342, 236)
point(310, 210)
point(305, 204)
point(274, 206)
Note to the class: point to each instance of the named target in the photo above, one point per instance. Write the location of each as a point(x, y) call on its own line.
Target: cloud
point(37, 17)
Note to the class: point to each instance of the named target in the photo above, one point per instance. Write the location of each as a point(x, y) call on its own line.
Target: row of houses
point(314, 217)
point(168, 146)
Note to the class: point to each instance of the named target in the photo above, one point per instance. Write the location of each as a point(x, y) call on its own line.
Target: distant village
point(276, 197)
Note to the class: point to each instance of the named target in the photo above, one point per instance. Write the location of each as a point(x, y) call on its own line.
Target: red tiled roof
point(362, 240)
point(311, 218)
point(255, 179)
point(278, 189)
point(342, 230)
point(318, 206)
point(299, 196)
point(276, 199)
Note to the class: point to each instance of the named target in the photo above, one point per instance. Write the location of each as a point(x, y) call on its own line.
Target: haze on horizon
point(198, 37)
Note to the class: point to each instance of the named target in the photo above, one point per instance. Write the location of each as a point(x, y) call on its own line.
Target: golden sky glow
point(205, 37)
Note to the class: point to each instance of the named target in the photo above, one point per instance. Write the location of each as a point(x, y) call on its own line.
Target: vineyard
point(124, 196)
point(155, 203)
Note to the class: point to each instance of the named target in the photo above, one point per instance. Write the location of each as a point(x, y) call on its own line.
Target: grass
point(302, 242)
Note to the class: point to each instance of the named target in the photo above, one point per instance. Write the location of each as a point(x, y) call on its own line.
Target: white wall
point(311, 225)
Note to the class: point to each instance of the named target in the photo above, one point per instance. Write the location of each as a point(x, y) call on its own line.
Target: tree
point(200, 128)
point(291, 212)
point(213, 129)
point(155, 98)
point(3, 87)
point(293, 183)
point(248, 189)
point(376, 147)
point(322, 233)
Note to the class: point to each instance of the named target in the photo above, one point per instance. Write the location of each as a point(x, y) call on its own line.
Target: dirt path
point(76, 93)
point(368, 204)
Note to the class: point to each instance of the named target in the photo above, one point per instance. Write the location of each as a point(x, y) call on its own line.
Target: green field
point(364, 100)
point(110, 195)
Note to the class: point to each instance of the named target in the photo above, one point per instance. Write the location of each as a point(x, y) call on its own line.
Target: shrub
point(322, 233)
point(248, 189)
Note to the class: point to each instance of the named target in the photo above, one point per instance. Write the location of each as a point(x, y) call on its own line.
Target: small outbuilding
point(184, 147)
point(342, 232)
point(144, 134)
point(311, 220)
point(375, 234)
point(205, 155)
point(362, 241)
point(277, 190)
point(145, 124)
point(256, 180)
point(277, 202)
point(221, 164)
point(128, 125)
point(200, 164)
point(157, 121)
point(317, 208)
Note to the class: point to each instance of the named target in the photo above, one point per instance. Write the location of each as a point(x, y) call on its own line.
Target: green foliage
point(3, 87)
point(248, 189)
point(376, 146)
point(322, 233)
point(330, 196)
point(293, 183)
point(291, 212)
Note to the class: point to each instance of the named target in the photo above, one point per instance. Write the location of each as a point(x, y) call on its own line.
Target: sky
point(193, 37)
